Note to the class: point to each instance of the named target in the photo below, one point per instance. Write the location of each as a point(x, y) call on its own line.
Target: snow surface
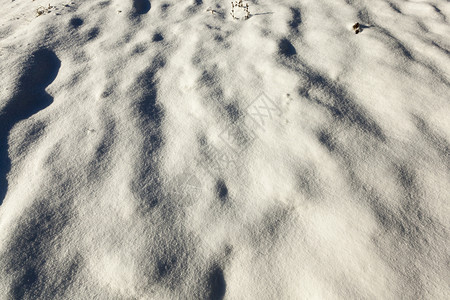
point(157, 150)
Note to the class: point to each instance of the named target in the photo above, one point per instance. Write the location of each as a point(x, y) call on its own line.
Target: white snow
point(156, 150)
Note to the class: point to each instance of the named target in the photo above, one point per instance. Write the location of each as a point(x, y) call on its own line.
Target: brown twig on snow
point(240, 3)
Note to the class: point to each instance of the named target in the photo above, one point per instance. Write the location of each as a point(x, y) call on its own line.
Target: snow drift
point(158, 150)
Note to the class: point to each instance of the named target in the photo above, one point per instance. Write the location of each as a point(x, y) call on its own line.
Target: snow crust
point(158, 150)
